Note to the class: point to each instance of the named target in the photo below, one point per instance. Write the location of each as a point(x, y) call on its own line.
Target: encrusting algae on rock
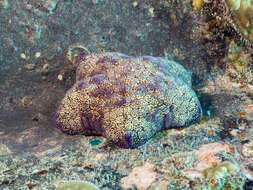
point(233, 17)
point(243, 10)
point(127, 99)
point(77, 185)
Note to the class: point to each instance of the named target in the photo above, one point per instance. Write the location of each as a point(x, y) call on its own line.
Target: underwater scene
point(126, 94)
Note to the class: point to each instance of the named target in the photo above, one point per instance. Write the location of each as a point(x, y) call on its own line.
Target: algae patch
point(77, 185)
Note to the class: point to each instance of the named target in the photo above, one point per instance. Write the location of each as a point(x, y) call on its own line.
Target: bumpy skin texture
point(127, 99)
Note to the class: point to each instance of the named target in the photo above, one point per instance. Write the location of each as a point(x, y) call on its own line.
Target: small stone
point(151, 12)
point(37, 54)
point(26, 101)
point(60, 77)
point(23, 56)
point(45, 68)
point(135, 4)
point(29, 66)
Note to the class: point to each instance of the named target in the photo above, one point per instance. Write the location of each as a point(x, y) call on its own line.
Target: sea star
point(127, 99)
